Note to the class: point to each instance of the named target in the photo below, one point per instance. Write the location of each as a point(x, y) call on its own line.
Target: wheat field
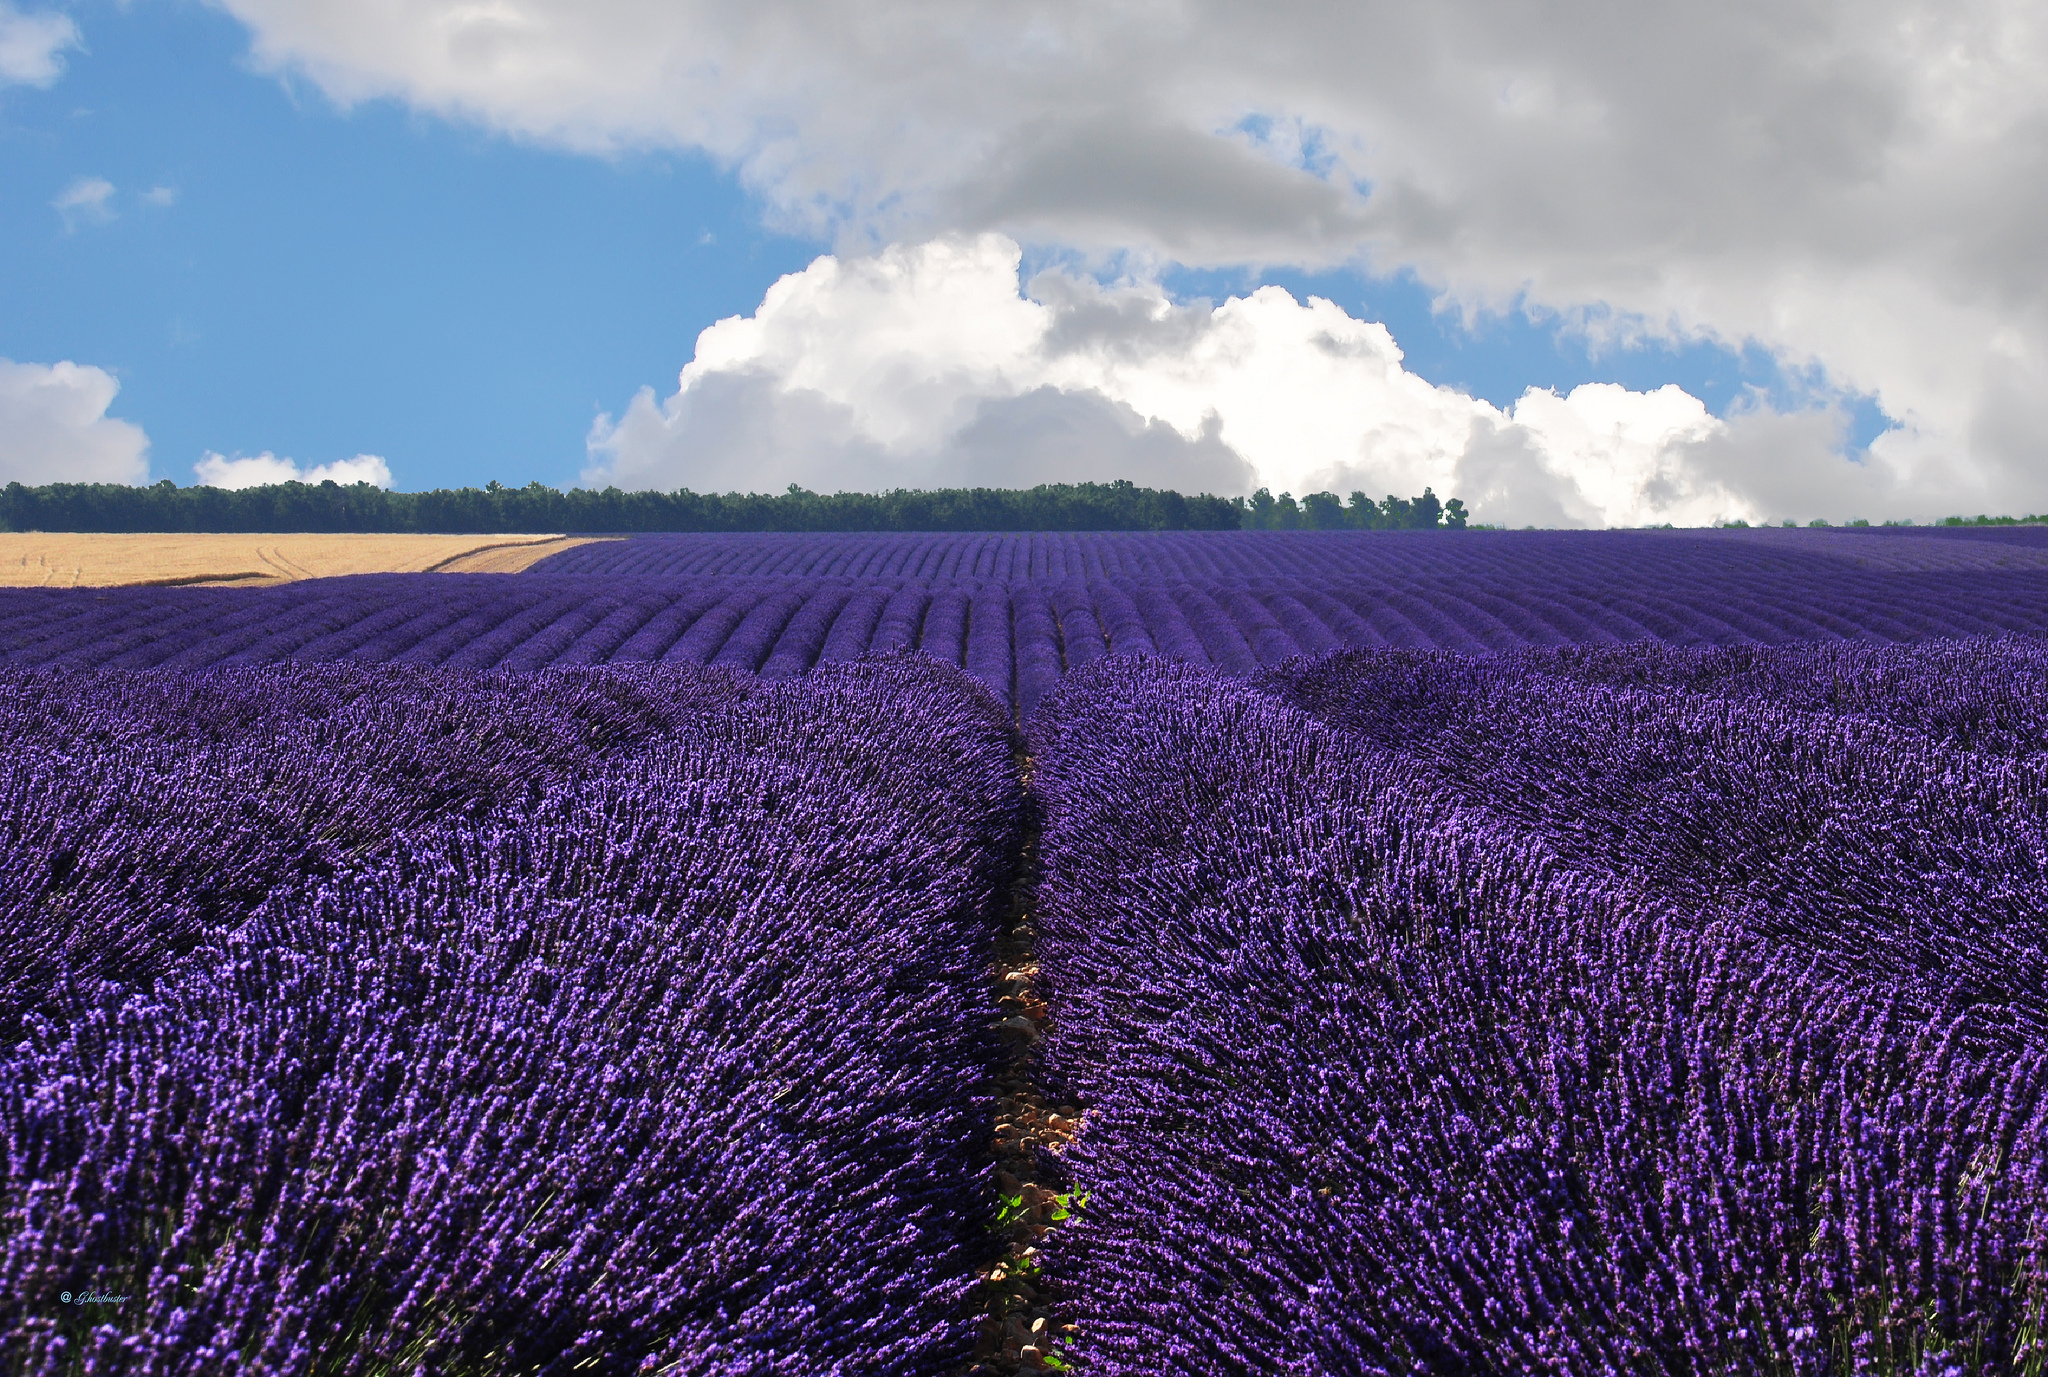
point(36, 559)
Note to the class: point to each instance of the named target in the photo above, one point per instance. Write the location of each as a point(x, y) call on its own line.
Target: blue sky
point(326, 282)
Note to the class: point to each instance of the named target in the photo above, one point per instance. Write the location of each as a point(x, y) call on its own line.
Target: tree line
point(496, 509)
point(1323, 511)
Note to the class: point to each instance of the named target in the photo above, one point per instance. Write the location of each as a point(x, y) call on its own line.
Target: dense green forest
point(1118, 506)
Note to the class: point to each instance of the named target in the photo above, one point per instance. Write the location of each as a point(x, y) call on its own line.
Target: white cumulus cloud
point(32, 45)
point(929, 365)
point(219, 471)
point(1857, 184)
point(54, 427)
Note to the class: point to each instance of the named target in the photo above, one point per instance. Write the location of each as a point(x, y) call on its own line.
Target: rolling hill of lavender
point(1492, 952)
point(1019, 611)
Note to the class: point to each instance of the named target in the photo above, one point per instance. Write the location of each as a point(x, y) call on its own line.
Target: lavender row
point(1888, 855)
point(1550, 557)
point(1980, 695)
point(1383, 1083)
point(1016, 638)
point(662, 1057)
point(141, 812)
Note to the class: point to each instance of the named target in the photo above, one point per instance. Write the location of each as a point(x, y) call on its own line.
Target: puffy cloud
point(920, 366)
point(32, 46)
point(1056, 435)
point(54, 427)
point(87, 200)
point(1858, 184)
point(218, 471)
point(927, 365)
point(1602, 455)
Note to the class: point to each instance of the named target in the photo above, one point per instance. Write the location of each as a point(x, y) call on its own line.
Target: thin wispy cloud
point(86, 201)
point(160, 196)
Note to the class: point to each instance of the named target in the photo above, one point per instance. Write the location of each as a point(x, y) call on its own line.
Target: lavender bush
point(1979, 695)
point(1886, 854)
point(1383, 1080)
point(607, 1021)
point(140, 811)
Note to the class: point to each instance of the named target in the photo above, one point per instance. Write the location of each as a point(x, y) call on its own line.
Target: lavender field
point(1195, 953)
point(1451, 1018)
point(381, 1020)
point(1018, 612)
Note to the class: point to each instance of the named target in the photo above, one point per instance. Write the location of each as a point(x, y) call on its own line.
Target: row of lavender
point(1578, 1012)
point(1017, 639)
point(376, 1020)
point(1980, 695)
point(1547, 557)
point(1921, 861)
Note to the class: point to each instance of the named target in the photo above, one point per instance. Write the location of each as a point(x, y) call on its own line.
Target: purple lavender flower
point(1388, 1074)
point(562, 1022)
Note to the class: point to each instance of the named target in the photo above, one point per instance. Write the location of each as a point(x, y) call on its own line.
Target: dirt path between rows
point(1019, 1331)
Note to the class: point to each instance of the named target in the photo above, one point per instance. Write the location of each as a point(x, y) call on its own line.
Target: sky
point(1578, 265)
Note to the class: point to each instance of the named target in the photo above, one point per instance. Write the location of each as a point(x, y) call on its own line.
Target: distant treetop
point(1322, 511)
point(494, 509)
point(1993, 520)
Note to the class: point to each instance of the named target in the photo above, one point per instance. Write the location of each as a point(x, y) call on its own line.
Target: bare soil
point(1019, 1328)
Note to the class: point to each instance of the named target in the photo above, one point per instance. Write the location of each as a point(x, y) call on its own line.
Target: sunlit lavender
point(1522, 952)
point(550, 1023)
point(1483, 1019)
point(1018, 612)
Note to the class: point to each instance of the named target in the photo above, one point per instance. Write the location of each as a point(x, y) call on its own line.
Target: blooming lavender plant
point(1383, 1080)
point(1979, 695)
point(1083, 639)
point(1041, 647)
point(142, 810)
point(604, 1021)
point(1889, 855)
point(989, 659)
